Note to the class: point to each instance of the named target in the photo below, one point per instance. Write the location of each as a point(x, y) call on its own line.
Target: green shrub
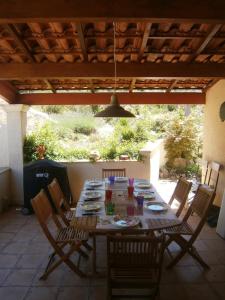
point(53, 109)
point(78, 123)
point(43, 136)
point(180, 140)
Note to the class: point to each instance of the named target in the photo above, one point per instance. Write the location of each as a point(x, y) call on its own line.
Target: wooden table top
point(147, 221)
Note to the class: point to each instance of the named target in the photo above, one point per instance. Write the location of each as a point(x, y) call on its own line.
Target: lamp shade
point(222, 112)
point(114, 110)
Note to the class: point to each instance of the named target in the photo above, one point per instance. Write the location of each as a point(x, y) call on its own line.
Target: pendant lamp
point(114, 110)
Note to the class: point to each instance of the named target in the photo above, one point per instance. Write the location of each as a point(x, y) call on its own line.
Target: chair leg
point(64, 257)
point(86, 245)
point(193, 252)
point(82, 253)
point(176, 259)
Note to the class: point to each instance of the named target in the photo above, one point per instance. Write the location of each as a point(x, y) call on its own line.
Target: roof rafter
point(205, 41)
point(103, 70)
point(148, 10)
point(13, 32)
point(145, 39)
point(80, 32)
point(103, 98)
point(8, 92)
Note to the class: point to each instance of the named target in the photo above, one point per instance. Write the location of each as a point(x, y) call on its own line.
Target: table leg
point(94, 269)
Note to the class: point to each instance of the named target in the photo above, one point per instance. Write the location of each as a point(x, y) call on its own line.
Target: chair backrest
point(113, 172)
point(200, 206)
point(129, 252)
point(180, 194)
point(44, 213)
point(213, 174)
point(58, 199)
point(57, 194)
point(205, 171)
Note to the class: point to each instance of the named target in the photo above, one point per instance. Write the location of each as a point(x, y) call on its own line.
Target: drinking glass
point(140, 203)
point(130, 209)
point(111, 179)
point(130, 190)
point(131, 181)
point(108, 194)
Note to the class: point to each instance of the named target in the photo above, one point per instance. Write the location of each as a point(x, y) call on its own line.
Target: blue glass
point(111, 179)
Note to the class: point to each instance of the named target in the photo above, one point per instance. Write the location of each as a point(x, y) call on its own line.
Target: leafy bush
point(180, 140)
point(45, 136)
point(78, 123)
point(53, 109)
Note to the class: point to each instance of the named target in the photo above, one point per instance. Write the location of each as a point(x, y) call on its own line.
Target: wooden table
point(149, 221)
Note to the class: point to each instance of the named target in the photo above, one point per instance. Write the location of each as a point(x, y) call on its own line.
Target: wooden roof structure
point(61, 52)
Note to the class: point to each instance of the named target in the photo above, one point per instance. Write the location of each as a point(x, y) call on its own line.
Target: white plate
point(146, 194)
point(143, 185)
point(92, 195)
point(91, 207)
point(121, 179)
point(156, 206)
point(94, 183)
point(125, 222)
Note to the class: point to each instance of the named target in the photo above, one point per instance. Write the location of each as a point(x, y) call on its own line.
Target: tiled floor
point(24, 253)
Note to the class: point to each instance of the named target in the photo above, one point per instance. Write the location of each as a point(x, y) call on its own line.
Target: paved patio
point(24, 253)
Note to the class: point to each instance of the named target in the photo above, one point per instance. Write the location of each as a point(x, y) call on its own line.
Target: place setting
point(91, 196)
point(90, 208)
point(156, 207)
point(93, 184)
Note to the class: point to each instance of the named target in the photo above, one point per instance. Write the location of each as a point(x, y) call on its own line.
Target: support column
point(16, 126)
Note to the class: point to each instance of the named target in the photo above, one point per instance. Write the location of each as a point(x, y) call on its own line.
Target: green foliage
point(43, 136)
point(78, 123)
point(181, 139)
point(53, 109)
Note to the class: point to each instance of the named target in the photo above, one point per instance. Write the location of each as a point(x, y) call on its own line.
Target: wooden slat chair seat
point(69, 234)
point(113, 172)
point(61, 237)
point(180, 194)
point(184, 228)
point(200, 206)
point(134, 263)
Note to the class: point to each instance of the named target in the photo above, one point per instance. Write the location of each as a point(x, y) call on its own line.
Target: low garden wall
point(148, 168)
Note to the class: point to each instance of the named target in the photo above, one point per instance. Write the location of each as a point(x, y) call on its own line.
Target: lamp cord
point(114, 54)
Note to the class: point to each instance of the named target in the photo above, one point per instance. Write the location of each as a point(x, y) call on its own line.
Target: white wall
point(4, 158)
point(214, 133)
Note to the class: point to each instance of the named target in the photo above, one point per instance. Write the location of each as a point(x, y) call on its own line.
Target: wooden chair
point(210, 175)
point(65, 236)
point(60, 203)
point(200, 206)
point(134, 263)
point(113, 172)
point(180, 194)
point(213, 176)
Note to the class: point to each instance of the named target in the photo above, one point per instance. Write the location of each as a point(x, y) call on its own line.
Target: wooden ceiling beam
point(213, 82)
point(172, 85)
point(80, 32)
point(132, 85)
point(205, 42)
point(105, 70)
point(13, 32)
point(145, 40)
point(104, 98)
point(8, 92)
point(202, 11)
